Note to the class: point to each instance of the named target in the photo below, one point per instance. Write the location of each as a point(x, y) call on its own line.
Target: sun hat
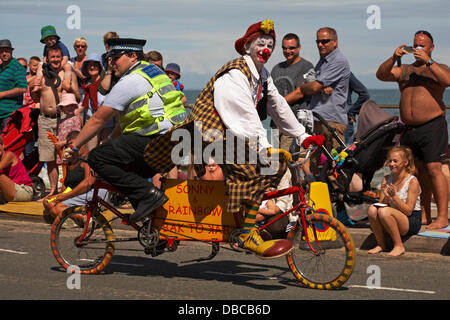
point(5, 43)
point(173, 67)
point(91, 57)
point(48, 31)
point(265, 27)
point(67, 99)
point(117, 45)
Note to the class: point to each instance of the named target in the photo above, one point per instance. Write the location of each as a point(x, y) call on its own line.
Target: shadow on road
point(236, 272)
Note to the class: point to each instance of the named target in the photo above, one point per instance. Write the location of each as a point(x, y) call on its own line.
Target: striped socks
point(251, 210)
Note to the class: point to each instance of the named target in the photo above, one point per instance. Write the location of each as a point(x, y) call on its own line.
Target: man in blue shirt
point(330, 89)
point(13, 83)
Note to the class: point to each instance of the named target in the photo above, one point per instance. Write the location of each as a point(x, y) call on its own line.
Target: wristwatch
point(430, 62)
point(107, 72)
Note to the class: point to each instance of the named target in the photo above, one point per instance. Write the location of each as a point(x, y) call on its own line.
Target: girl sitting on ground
point(401, 214)
point(15, 183)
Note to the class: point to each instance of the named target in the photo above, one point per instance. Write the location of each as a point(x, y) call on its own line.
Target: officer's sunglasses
point(116, 56)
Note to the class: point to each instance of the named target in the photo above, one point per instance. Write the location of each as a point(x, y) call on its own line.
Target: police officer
point(138, 98)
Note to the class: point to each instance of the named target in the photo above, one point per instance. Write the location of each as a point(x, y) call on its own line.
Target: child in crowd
point(33, 66)
point(77, 187)
point(69, 121)
point(213, 171)
point(23, 62)
point(173, 71)
point(15, 183)
point(49, 37)
point(398, 211)
point(92, 99)
point(267, 209)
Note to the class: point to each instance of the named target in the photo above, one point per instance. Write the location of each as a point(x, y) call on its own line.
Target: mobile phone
point(408, 49)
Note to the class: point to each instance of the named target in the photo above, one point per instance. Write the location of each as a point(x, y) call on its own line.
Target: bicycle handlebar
point(309, 152)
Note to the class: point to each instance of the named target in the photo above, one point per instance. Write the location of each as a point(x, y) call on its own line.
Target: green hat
point(48, 31)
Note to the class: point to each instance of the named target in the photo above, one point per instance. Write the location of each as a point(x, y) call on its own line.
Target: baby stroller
point(22, 128)
point(377, 131)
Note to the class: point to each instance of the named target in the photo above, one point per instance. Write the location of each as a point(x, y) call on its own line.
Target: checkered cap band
point(127, 47)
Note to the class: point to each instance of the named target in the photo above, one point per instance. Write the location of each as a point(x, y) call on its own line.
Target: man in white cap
point(138, 99)
point(236, 99)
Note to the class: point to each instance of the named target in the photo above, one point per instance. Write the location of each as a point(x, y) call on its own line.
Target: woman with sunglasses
point(80, 46)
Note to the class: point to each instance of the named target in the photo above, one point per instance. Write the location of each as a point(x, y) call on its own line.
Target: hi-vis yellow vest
point(138, 118)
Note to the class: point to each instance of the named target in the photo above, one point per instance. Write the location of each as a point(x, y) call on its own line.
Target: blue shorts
point(415, 222)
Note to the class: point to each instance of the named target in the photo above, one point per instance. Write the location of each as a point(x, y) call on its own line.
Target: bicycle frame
point(300, 207)
point(96, 200)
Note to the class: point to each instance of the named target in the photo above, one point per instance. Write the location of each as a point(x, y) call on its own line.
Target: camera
point(408, 49)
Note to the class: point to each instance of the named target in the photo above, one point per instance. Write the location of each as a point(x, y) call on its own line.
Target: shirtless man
point(422, 109)
point(47, 94)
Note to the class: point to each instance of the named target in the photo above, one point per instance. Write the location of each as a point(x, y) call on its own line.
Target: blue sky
point(199, 35)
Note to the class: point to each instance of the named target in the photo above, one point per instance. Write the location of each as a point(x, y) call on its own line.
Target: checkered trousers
point(244, 181)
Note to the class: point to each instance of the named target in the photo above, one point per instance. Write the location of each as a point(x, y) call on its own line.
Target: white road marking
point(242, 275)
point(12, 251)
point(393, 289)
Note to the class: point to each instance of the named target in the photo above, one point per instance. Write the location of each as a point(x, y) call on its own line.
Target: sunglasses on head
point(323, 41)
point(289, 48)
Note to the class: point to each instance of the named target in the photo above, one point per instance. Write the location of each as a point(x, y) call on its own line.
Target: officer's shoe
point(250, 240)
point(154, 199)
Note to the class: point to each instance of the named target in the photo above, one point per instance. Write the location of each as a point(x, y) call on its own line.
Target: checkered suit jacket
point(244, 181)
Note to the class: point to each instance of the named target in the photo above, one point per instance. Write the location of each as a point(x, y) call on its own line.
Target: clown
point(236, 99)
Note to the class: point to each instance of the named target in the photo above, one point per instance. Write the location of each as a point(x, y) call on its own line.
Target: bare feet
point(375, 250)
point(397, 251)
point(438, 224)
point(48, 196)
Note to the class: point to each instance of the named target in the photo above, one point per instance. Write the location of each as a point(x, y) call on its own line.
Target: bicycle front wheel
point(330, 260)
point(93, 253)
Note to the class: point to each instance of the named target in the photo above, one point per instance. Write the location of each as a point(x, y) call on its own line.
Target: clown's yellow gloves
point(287, 155)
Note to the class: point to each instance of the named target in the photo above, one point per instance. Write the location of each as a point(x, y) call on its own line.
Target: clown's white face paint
point(260, 50)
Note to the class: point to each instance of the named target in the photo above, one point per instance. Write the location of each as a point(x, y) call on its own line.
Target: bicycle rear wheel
point(332, 263)
point(92, 254)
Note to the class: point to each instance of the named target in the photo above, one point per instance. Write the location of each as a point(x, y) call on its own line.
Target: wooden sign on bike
point(196, 209)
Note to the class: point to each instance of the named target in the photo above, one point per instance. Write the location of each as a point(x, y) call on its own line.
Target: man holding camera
point(422, 109)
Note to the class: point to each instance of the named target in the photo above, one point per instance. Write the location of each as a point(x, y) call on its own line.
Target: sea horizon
point(379, 96)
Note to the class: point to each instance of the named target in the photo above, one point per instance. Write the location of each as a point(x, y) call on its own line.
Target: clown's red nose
point(266, 54)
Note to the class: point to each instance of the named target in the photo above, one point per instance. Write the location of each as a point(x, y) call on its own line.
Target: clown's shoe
point(250, 240)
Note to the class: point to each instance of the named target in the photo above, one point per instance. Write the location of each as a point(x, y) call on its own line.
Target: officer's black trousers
point(120, 162)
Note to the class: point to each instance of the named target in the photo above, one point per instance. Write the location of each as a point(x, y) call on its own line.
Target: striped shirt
point(12, 76)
